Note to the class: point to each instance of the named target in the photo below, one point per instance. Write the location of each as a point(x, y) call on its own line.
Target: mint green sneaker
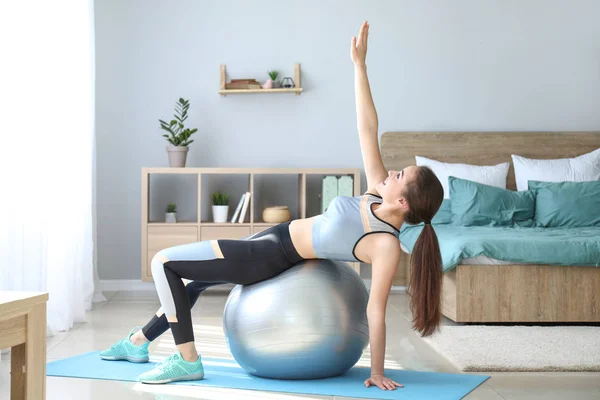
point(172, 369)
point(125, 350)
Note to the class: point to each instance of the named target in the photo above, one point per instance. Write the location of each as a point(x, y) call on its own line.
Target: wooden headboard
point(399, 149)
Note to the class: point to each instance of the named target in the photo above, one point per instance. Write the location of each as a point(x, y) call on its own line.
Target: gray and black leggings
point(213, 262)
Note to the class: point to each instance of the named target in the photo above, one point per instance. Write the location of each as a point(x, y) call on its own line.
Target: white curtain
point(47, 154)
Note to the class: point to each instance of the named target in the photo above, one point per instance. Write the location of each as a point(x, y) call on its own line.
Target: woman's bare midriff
point(301, 235)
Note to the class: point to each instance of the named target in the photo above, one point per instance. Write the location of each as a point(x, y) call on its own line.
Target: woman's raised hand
point(358, 47)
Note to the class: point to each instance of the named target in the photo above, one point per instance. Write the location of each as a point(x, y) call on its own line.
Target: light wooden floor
point(110, 321)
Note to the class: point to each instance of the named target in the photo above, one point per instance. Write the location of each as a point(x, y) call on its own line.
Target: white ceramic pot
point(170, 218)
point(220, 213)
point(177, 155)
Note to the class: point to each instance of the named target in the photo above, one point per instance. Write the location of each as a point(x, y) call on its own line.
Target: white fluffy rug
point(519, 348)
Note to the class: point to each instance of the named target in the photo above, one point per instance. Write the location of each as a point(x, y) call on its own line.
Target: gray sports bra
point(337, 231)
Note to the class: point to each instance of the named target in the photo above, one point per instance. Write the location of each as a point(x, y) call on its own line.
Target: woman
point(362, 228)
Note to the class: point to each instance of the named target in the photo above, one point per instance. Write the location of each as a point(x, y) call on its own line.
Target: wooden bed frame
point(503, 293)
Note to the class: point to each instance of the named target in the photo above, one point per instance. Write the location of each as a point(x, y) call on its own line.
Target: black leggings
point(208, 263)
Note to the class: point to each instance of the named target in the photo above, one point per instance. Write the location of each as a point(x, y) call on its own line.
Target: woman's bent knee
point(157, 265)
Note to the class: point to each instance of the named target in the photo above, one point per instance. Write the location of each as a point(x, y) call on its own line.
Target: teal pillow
point(566, 204)
point(477, 204)
point(444, 213)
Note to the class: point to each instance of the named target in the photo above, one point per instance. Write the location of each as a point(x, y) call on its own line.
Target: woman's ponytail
point(425, 285)
point(425, 197)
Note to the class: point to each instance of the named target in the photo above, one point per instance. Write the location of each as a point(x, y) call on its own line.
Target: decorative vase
point(287, 83)
point(276, 214)
point(177, 155)
point(170, 218)
point(268, 84)
point(220, 213)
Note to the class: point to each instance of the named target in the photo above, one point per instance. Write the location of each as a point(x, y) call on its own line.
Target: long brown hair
point(424, 196)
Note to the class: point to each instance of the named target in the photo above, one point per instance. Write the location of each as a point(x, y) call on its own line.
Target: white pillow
point(493, 175)
point(585, 167)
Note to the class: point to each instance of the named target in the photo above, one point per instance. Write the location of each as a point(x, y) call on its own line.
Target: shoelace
point(168, 361)
point(114, 346)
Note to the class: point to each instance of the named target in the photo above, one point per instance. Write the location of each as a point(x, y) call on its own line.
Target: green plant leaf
point(179, 133)
point(220, 199)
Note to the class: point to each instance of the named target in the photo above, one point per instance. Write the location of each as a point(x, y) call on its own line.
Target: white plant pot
point(220, 213)
point(170, 218)
point(177, 155)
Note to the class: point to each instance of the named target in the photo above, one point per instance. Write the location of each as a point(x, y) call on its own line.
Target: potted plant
point(178, 137)
point(272, 81)
point(171, 214)
point(220, 207)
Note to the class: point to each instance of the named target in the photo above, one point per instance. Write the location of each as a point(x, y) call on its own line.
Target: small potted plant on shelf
point(220, 207)
point(272, 81)
point(171, 214)
point(178, 136)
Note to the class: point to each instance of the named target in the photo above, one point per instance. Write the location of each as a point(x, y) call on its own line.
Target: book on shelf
point(236, 213)
point(345, 186)
point(244, 207)
point(334, 186)
point(329, 191)
point(243, 84)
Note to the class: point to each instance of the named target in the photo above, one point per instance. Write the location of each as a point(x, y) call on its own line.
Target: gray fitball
point(308, 322)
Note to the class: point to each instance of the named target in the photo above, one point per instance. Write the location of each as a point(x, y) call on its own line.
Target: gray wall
point(435, 65)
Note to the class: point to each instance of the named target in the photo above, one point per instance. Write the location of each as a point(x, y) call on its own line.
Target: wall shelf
point(225, 92)
point(297, 89)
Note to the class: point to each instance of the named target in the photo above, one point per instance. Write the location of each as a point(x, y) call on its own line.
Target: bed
point(483, 289)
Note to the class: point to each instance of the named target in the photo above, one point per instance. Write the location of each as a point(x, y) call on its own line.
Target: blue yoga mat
point(224, 373)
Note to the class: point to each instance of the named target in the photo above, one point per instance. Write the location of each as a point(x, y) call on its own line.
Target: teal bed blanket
point(558, 246)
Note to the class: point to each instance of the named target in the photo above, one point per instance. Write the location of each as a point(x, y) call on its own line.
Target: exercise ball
point(308, 322)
